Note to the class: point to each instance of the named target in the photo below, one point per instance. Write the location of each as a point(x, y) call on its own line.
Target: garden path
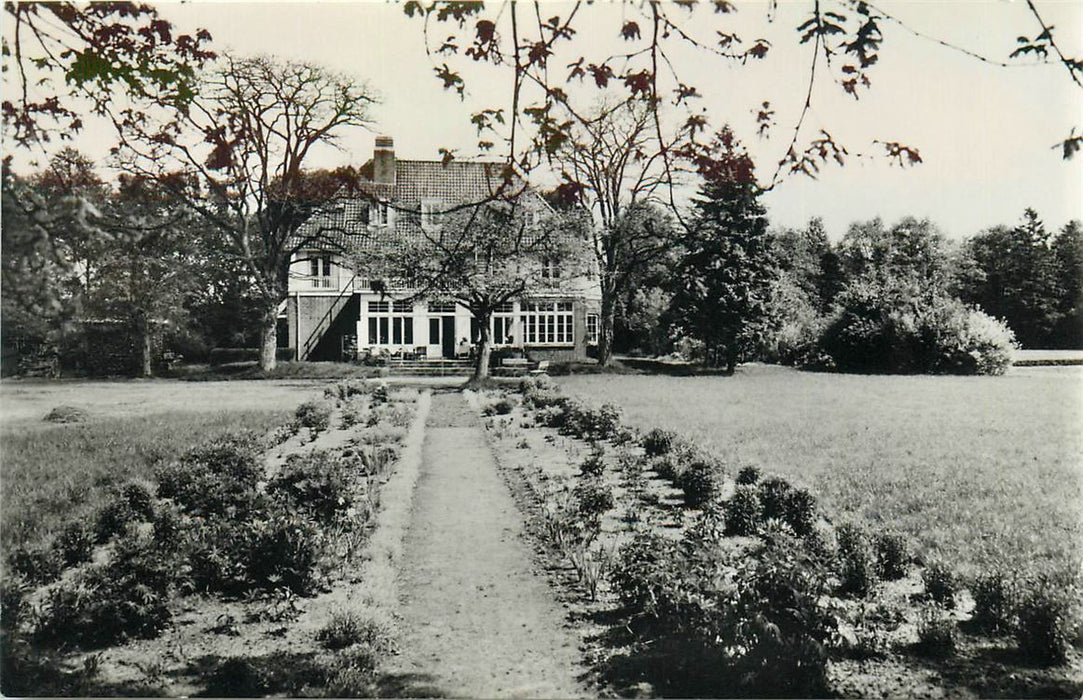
point(478, 618)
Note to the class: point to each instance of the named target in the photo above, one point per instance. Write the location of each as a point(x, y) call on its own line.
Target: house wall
point(308, 310)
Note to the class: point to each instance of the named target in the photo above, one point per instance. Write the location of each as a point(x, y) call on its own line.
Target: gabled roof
point(343, 224)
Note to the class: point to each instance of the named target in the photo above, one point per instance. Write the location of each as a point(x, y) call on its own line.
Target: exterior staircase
point(325, 322)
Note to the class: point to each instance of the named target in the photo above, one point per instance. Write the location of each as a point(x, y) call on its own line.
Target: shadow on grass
point(995, 668)
point(408, 685)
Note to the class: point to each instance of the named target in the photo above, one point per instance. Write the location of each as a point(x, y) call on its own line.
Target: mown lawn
point(975, 469)
point(52, 473)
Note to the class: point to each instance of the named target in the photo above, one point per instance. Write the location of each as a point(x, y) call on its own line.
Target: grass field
point(975, 469)
point(57, 472)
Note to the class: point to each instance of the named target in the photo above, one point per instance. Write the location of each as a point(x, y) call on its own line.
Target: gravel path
point(478, 619)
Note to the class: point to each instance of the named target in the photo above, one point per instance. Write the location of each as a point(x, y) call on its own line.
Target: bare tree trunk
point(142, 329)
point(268, 340)
point(605, 330)
point(485, 349)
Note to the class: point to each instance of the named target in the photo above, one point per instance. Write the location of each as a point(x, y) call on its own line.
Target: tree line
point(898, 298)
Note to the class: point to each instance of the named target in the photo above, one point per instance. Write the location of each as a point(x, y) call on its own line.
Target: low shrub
point(743, 512)
point(284, 549)
point(317, 482)
point(594, 464)
point(66, 414)
point(748, 475)
point(761, 628)
point(937, 636)
point(551, 416)
point(380, 394)
point(1044, 621)
point(169, 527)
point(996, 597)
point(140, 498)
point(774, 494)
point(352, 414)
point(799, 512)
point(856, 564)
point(114, 518)
point(500, 407)
point(644, 574)
point(314, 415)
point(672, 464)
point(217, 477)
point(346, 629)
point(125, 599)
point(593, 498)
point(782, 624)
point(35, 564)
point(699, 482)
point(941, 584)
point(892, 556)
point(658, 442)
point(75, 543)
point(590, 423)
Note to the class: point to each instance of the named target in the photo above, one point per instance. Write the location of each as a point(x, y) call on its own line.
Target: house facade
point(334, 313)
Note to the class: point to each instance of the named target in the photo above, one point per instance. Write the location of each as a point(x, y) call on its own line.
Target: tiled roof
point(344, 224)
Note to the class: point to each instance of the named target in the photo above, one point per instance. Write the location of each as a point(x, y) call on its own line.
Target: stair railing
point(325, 322)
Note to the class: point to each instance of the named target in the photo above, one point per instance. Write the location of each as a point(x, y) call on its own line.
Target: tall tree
point(724, 281)
point(1016, 278)
point(1068, 251)
point(246, 140)
point(151, 267)
point(483, 257)
point(611, 166)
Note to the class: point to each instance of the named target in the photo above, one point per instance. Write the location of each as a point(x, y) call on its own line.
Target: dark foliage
point(941, 584)
point(316, 482)
point(856, 563)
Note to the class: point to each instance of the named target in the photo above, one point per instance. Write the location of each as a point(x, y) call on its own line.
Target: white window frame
point(592, 329)
point(503, 316)
point(390, 320)
point(432, 213)
point(380, 213)
point(320, 271)
point(550, 269)
point(548, 323)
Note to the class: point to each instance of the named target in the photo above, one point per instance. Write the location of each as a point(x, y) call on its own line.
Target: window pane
point(373, 337)
point(383, 331)
point(434, 331)
point(408, 330)
point(396, 330)
point(402, 307)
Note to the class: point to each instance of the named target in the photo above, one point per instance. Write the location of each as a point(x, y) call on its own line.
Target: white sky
point(985, 133)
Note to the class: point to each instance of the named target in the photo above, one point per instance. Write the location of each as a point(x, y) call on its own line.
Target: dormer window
point(319, 271)
point(550, 269)
point(379, 214)
point(432, 214)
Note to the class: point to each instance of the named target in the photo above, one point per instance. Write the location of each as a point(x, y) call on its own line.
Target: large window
point(547, 323)
point(319, 271)
point(503, 324)
point(592, 329)
point(390, 323)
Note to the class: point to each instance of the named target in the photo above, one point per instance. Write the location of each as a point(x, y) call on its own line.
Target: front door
point(447, 337)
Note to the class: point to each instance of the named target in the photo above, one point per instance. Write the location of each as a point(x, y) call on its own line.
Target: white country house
point(333, 313)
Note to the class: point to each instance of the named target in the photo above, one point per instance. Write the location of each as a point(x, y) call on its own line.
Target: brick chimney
point(383, 160)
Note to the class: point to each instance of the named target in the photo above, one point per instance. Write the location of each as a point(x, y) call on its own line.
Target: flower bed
point(240, 545)
point(728, 582)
